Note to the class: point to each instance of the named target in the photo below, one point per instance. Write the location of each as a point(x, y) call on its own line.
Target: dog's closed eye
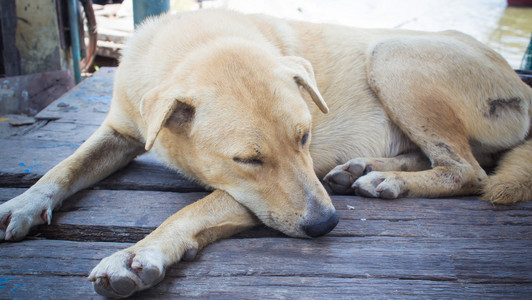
point(249, 161)
point(304, 139)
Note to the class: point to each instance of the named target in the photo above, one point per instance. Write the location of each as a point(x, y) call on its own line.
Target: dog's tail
point(512, 180)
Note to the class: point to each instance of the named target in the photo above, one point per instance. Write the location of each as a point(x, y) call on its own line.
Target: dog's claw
point(46, 216)
point(9, 235)
point(16, 226)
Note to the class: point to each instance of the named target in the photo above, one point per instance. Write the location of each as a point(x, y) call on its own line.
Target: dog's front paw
point(341, 178)
point(128, 271)
point(21, 213)
point(378, 185)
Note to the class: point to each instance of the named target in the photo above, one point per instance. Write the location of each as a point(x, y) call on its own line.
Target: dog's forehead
point(254, 96)
point(227, 57)
point(242, 129)
point(233, 118)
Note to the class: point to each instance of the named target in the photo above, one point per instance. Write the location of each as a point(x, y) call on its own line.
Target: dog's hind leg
point(454, 168)
point(445, 92)
point(427, 85)
point(180, 237)
point(340, 179)
point(103, 153)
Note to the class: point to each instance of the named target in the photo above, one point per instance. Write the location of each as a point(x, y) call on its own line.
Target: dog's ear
point(302, 72)
point(158, 105)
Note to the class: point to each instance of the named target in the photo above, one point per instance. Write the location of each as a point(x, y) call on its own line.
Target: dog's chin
point(291, 232)
point(296, 234)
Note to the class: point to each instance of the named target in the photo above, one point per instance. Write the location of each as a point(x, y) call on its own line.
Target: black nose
point(323, 227)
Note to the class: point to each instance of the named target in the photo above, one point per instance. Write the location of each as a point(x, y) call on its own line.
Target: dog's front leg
point(179, 237)
point(103, 153)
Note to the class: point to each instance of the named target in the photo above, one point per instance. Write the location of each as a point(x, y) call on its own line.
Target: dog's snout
point(323, 226)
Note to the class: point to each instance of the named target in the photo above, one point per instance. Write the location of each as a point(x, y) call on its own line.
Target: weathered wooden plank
point(478, 260)
point(24, 161)
point(303, 287)
point(104, 215)
point(59, 131)
point(326, 257)
point(87, 103)
point(51, 286)
point(266, 287)
point(145, 173)
point(283, 267)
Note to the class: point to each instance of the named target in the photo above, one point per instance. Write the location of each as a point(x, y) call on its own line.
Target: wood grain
point(284, 267)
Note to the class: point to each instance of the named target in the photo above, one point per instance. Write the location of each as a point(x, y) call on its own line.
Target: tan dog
point(234, 101)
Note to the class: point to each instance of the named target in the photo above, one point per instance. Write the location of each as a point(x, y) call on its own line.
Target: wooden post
point(10, 53)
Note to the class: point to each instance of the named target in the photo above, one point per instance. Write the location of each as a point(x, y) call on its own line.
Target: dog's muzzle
point(322, 226)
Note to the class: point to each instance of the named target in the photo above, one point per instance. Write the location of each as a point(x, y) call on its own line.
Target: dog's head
point(234, 116)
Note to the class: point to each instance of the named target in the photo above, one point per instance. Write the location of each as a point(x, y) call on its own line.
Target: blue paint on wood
point(146, 8)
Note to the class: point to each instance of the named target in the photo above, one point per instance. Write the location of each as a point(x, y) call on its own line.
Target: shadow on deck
point(433, 248)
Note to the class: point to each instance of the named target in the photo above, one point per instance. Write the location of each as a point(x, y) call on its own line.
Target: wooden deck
point(428, 248)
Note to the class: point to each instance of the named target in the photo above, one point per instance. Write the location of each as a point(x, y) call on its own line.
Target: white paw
point(377, 185)
point(21, 213)
point(128, 271)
